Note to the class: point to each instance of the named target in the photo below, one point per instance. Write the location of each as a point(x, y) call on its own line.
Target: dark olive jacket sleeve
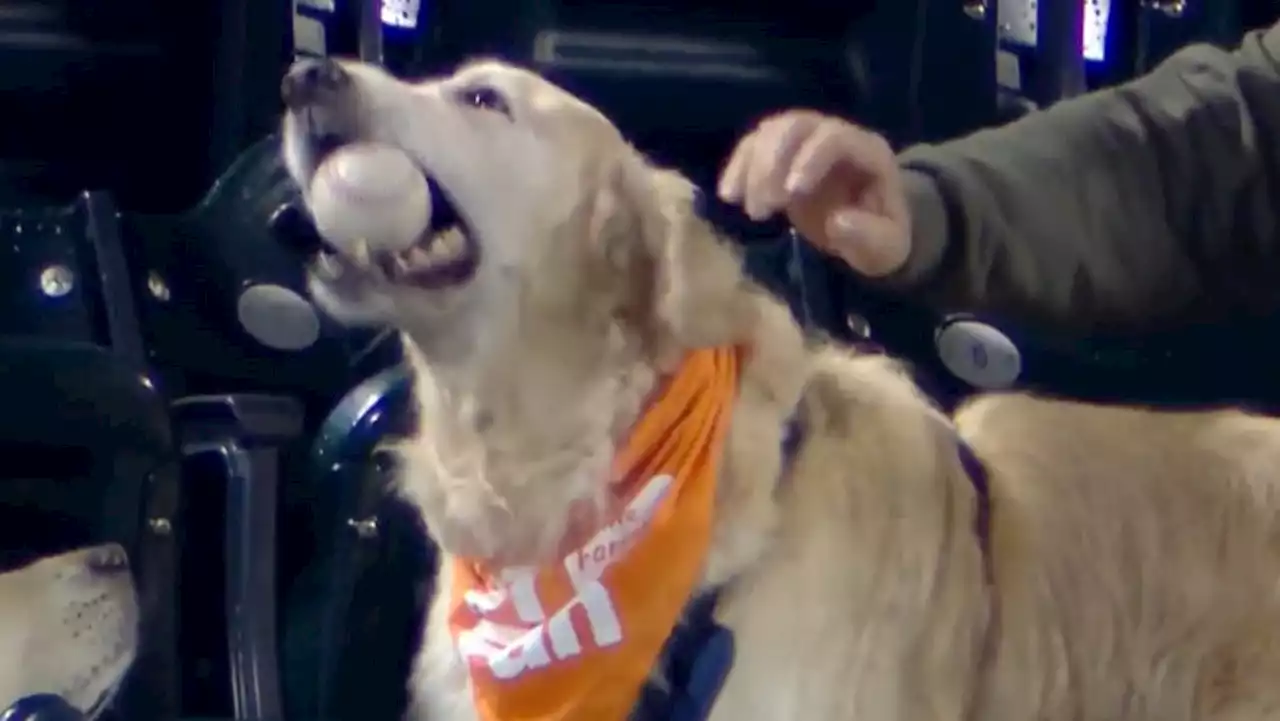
point(1131, 208)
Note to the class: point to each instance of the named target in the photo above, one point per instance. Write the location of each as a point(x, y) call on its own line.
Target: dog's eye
point(484, 98)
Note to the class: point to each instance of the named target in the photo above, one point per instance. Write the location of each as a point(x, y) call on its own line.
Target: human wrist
point(928, 228)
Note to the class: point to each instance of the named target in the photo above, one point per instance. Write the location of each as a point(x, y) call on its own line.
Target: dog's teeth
point(360, 252)
point(452, 243)
point(438, 251)
point(419, 256)
point(327, 265)
point(447, 246)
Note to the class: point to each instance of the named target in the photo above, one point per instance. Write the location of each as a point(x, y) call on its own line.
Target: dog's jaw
point(68, 630)
point(491, 174)
point(514, 447)
point(529, 374)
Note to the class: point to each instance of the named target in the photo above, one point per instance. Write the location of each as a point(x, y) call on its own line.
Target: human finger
point(872, 244)
point(733, 179)
point(834, 142)
point(777, 142)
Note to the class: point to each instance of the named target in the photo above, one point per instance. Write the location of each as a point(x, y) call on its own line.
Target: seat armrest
point(250, 419)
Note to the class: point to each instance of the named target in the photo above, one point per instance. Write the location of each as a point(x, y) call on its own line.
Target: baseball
point(370, 197)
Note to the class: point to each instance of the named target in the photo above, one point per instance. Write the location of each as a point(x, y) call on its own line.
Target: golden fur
point(68, 626)
point(1135, 552)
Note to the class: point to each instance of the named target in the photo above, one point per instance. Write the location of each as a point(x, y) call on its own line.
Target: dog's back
point(1136, 560)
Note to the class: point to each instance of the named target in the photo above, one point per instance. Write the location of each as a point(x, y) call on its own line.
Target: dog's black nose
point(313, 82)
point(107, 560)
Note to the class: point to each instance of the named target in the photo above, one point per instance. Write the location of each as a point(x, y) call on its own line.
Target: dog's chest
point(684, 684)
point(753, 686)
point(440, 689)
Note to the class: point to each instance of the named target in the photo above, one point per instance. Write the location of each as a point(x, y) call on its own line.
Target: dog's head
point(68, 626)
point(582, 274)
point(550, 212)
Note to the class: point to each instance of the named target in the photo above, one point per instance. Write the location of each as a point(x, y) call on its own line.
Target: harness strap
point(699, 653)
point(698, 656)
point(693, 667)
point(977, 472)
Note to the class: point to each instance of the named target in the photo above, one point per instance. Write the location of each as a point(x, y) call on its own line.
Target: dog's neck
point(512, 440)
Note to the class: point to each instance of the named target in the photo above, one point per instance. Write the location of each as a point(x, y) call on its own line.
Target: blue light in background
point(1097, 13)
point(400, 13)
point(1017, 23)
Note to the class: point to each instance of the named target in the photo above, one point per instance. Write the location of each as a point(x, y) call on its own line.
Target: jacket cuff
point(930, 230)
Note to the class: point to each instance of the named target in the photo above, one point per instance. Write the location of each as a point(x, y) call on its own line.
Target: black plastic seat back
point(685, 79)
point(84, 431)
point(43, 707)
point(354, 617)
point(682, 80)
point(84, 85)
point(146, 98)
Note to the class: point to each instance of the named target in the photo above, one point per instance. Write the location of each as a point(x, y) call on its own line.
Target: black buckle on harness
point(695, 663)
point(699, 653)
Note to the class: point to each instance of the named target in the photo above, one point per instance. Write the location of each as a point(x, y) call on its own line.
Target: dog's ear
point(616, 223)
point(687, 287)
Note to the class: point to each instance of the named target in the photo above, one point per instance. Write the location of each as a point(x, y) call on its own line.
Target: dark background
point(167, 107)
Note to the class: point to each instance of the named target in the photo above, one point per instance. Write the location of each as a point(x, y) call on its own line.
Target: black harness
point(699, 654)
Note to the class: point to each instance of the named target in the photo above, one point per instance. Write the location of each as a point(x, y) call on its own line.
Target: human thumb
point(871, 244)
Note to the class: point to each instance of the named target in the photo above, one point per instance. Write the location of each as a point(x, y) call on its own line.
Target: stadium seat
point(85, 431)
point(354, 617)
point(685, 79)
point(146, 98)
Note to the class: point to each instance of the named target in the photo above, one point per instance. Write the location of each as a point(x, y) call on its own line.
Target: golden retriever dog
point(1109, 564)
point(68, 626)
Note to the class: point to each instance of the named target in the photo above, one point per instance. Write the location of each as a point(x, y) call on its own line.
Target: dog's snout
point(313, 82)
point(107, 560)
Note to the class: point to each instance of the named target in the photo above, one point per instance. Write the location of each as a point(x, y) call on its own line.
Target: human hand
point(839, 184)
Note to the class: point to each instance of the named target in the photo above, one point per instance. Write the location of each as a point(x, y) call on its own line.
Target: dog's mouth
point(445, 256)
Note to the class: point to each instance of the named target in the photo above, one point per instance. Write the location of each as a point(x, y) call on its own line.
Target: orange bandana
point(577, 641)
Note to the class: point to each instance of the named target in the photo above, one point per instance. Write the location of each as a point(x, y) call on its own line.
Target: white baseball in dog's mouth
point(439, 260)
point(445, 256)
